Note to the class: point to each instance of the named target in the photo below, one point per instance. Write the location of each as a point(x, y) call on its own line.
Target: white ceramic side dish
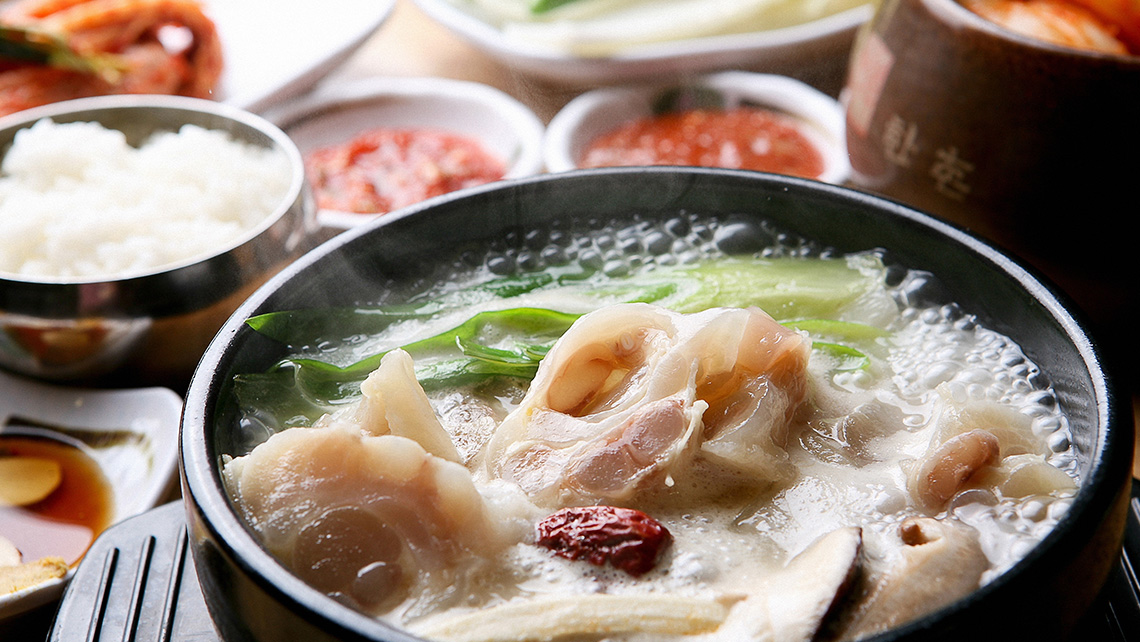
point(335, 114)
point(277, 49)
point(596, 112)
point(132, 434)
point(818, 43)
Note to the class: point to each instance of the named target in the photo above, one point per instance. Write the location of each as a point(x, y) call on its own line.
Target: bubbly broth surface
point(876, 432)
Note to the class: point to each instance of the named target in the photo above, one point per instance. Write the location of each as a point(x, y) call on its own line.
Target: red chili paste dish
point(737, 138)
point(401, 140)
point(384, 169)
point(732, 119)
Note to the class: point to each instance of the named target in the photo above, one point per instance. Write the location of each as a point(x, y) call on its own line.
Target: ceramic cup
point(1028, 144)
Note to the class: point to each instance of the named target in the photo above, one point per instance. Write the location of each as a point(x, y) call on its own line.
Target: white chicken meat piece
point(374, 518)
point(362, 514)
point(982, 444)
point(633, 393)
point(393, 402)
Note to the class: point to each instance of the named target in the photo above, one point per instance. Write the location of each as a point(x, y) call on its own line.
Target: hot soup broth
point(697, 428)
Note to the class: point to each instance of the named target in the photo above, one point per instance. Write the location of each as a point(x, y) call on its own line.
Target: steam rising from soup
point(817, 433)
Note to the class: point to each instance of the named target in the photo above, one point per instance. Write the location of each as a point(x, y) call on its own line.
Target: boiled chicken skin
point(632, 394)
point(360, 513)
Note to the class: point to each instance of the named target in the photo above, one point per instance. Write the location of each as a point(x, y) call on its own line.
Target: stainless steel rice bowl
point(150, 326)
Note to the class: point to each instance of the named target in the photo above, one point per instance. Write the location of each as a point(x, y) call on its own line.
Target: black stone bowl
point(253, 597)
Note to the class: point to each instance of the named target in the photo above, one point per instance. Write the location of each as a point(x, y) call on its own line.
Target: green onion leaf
point(833, 328)
point(542, 6)
point(849, 358)
point(38, 47)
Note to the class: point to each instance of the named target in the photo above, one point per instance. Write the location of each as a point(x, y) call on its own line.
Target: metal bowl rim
point(127, 102)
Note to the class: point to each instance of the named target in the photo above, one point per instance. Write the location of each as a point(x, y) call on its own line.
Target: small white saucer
point(141, 463)
point(335, 114)
point(602, 110)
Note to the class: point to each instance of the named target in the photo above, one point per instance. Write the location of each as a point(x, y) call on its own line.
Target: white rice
point(78, 202)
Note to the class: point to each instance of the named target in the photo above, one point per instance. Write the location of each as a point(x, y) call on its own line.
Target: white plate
point(334, 114)
point(277, 49)
point(602, 110)
point(820, 43)
point(141, 470)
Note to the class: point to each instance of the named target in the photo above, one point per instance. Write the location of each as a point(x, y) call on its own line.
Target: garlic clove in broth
point(950, 467)
point(1021, 476)
point(1012, 429)
point(9, 554)
point(27, 480)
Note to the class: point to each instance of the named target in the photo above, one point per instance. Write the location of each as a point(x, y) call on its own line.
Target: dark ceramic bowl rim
point(1110, 455)
point(957, 15)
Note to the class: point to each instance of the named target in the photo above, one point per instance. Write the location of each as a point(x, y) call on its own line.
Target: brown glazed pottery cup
point(1031, 145)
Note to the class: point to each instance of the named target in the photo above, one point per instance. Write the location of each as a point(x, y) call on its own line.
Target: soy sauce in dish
point(66, 521)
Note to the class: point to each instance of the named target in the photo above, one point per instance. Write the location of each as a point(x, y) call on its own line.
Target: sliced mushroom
point(929, 564)
point(796, 602)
